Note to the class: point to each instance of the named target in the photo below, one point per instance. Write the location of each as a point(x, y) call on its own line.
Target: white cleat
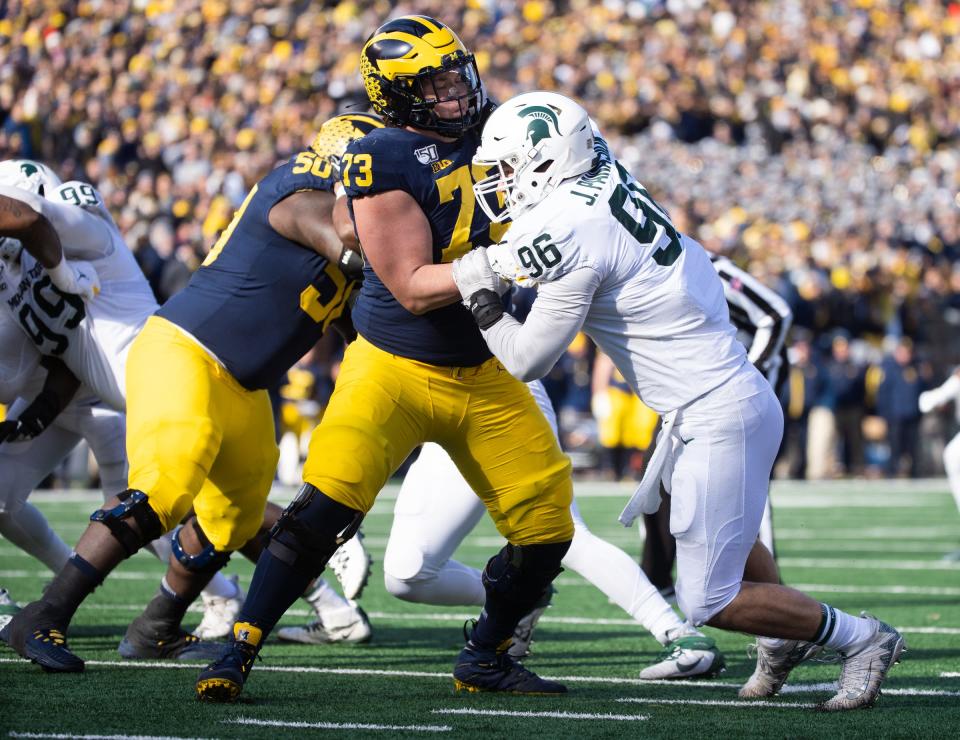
point(774, 665)
point(687, 657)
point(348, 624)
point(8, 607)
point(351, 565)
point(864, 668)
point(219, 614)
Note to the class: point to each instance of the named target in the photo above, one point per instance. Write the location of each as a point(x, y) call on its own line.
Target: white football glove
point(927, 402)
point(505, 265)
point(77, 277)
point(472, 273)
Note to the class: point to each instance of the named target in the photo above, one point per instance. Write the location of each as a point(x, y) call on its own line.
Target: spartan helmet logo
point(538, 128)
point(28, 169)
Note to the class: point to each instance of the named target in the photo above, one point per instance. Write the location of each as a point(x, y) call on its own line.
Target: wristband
point(486, 307)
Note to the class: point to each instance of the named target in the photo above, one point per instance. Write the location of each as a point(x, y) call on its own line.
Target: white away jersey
point(20, 371)
point(92, 338)
point(658, 309)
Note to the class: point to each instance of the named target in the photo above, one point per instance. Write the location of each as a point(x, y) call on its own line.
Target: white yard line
point(550, 715)
point(720, 703)
point(460, 617)
point(948, 533)
point(868, 564)
point(336, 725)
point(445, 675)
point(97, 737)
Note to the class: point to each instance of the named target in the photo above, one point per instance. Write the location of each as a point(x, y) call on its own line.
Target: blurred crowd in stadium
point(817, 144)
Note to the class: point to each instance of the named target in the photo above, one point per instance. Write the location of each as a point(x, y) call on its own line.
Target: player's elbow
point(415, 305)
point(527, 371)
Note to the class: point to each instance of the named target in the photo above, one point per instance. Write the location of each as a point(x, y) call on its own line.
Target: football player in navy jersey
point(200, 431)
point(419, 370)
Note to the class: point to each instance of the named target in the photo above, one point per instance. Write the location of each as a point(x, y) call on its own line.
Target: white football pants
point(724, 446)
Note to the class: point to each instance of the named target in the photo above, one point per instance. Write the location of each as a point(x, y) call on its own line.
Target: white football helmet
point(535, 140)
point(27, 175)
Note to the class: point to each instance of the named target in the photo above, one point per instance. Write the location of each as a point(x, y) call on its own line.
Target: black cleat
point(480, 669)
point(222, 681)
point(36, 635)
point(159, 642)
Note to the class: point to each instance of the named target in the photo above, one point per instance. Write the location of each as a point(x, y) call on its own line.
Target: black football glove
point(34, 419)
point(351, 264)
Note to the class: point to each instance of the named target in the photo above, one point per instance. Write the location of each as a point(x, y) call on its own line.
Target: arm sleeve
point(83, 235)
point(766, 310)
point(529, 350)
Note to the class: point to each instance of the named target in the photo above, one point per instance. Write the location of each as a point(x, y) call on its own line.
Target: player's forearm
point(60, 381)
point(531, 349)
point(20, 221)
point(526, 355)
point(427, 287)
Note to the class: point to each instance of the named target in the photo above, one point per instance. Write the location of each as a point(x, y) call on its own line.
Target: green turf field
point(859, 545)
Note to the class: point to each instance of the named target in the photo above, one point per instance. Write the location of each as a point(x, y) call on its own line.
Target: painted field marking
point(868, 564)
point(587, 621)
point(460, 617)
point(828, 534)
point(336, 725)
point(97, 737)
point(721, 703)
point(550, 715)
point(190, 665)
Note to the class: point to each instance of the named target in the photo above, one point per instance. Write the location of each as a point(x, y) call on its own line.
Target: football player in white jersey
point(608, 260)
point(762, 319)
point(436, 509)
point(84, 312)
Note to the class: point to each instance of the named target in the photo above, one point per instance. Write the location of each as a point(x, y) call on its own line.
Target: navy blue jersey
point(440, 177)
point(260, 301)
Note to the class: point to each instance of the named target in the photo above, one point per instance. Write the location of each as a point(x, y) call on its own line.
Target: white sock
point(323, 597)
point(222, 587)
point(841, 631)
point(29, 530)
point(455, 584)
point(618, 576)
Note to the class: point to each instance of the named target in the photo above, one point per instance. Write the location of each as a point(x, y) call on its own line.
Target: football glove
point(504, 263)
point(77, 277)
point(34, 419)
point(472, 273)
point(351, 264)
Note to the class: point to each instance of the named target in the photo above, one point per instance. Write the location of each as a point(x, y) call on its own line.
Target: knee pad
point(311, 529)
point(133, 504)
point(208, 560)
point(521, 573)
